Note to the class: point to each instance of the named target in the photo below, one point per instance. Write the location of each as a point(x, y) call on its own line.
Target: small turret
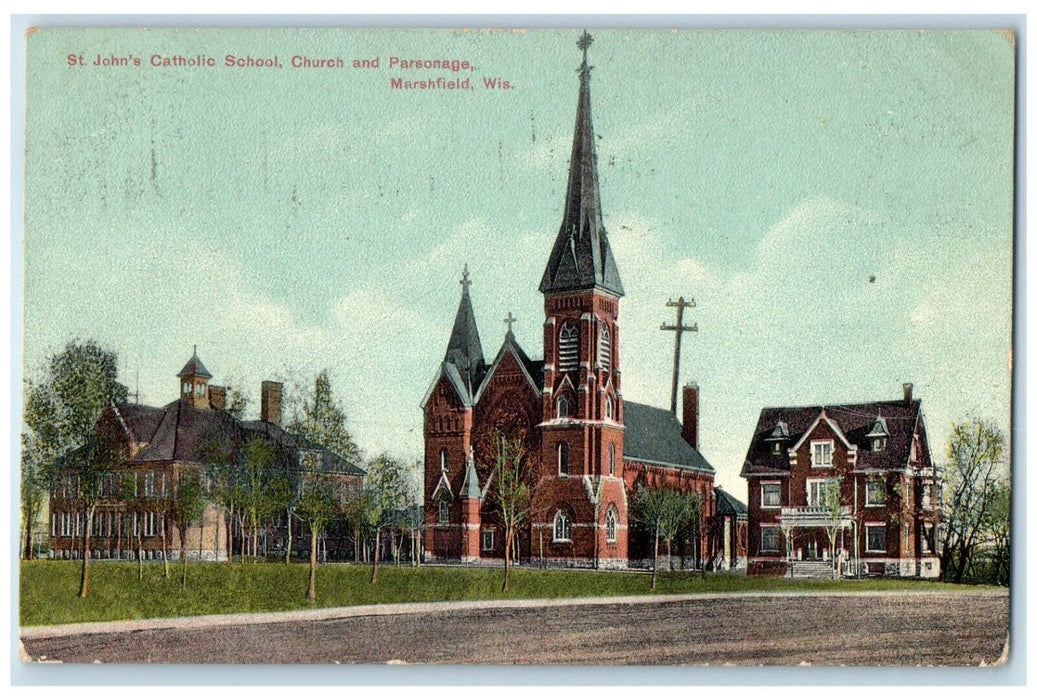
point(194, 380)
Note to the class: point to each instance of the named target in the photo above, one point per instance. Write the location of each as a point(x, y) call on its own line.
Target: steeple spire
point(581, 257)
point(464, 350)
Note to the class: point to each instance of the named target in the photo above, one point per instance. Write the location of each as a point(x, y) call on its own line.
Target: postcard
point(517, 347)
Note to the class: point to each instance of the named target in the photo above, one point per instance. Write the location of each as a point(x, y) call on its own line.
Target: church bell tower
point(581, 504)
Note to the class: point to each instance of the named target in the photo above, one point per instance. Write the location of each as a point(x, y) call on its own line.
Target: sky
point(839, 205)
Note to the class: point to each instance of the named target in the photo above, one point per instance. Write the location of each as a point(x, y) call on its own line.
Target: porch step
point(812, 569)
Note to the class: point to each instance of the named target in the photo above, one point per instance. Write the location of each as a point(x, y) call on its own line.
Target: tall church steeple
point(464, 350)
point(581, 257)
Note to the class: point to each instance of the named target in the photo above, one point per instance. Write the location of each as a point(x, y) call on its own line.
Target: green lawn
point(49, 588)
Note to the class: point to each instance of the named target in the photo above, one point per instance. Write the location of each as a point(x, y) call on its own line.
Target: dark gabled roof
point(182, 433)
point(854, 420)
point(654, 435)
point(729, 505)
point(140, 421)
point(194, 367)
point(581, 257)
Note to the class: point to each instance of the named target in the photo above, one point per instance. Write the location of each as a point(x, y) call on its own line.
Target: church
point(588, 448)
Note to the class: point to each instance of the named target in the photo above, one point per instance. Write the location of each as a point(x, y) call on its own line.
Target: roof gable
point(511, 348)
point(831, 424)
point(854, 422)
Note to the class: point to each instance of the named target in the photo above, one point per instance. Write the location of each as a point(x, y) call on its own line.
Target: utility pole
point(679, 329)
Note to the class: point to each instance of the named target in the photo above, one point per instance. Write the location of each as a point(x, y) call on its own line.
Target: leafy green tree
point(223, 480)
point(322, 420)
point(832, 502)
point(61, 412)
point(387, 488)
point(92, 472)
point(283, 492)
point(665, 511)
point(510, 492)
point(187, 507)
point(319, 502)
point(975, 470)
point(358, 511)
point(258, 471)
point(35, 482)
point(237, 402)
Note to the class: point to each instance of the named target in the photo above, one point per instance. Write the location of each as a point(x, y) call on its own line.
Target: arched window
point(442, 460)
point(612, 459)
point(563, 458)
point(563, 529)
point(605, 348)
point(562, 409)
point(610, 408)
point(568, 347)
point(444, 511)
point(186, 389)
point(611, 521)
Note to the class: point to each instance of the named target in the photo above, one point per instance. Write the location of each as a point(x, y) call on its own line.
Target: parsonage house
point(590, 448)
point(849, 487)
point(163, 443)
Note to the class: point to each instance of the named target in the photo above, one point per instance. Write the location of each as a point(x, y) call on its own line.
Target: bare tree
point(998, 528)
point(510, 493)
point(319, 502)
point(976, 468)
point(188, 504)
point(387, 489)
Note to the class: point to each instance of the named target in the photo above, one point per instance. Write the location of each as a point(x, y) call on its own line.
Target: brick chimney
point(691, 414)
point(907, 392)
point(270, 402)
point(218, 397)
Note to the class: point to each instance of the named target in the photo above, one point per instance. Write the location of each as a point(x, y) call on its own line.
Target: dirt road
point(894, 629)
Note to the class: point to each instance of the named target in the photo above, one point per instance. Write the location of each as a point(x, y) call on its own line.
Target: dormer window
point(778, 437)
point(878, 434)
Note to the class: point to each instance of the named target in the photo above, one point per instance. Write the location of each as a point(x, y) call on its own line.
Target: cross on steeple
point(465, 282)
point(584, 43)
point(510, 320)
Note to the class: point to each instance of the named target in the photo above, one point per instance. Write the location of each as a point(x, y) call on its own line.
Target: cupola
point(194, 380)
